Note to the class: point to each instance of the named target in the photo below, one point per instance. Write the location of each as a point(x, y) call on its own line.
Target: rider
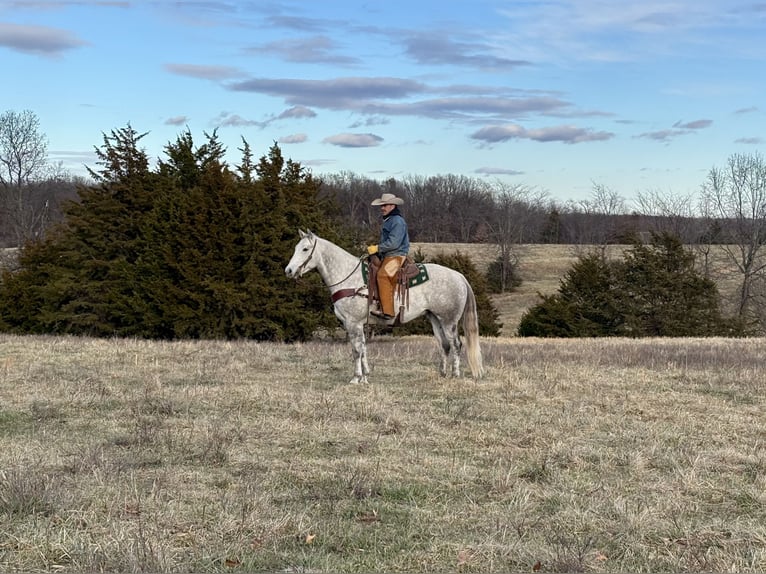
point(393, 248)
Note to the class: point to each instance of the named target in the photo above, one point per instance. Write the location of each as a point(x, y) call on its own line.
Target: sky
point(558, 96)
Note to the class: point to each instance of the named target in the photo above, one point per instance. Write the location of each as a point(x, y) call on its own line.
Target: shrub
point(653, 291)
point(503, 275)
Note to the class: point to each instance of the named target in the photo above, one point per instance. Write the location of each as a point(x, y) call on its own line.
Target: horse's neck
point(335, 264)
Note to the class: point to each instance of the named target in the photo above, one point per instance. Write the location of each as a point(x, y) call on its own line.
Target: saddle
point(409, 275)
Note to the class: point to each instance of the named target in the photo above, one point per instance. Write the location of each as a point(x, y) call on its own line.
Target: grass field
point(584, 455)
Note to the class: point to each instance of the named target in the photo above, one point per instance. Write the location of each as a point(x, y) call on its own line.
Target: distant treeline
point(444, 209)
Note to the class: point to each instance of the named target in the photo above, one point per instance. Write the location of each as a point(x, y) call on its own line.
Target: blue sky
point(555, 95)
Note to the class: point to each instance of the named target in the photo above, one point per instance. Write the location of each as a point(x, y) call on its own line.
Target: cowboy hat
point(387, 199)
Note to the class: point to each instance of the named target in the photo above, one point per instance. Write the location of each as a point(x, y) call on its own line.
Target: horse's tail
point(471, 330)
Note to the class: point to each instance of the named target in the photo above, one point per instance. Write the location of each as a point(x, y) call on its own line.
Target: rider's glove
point(372, 249)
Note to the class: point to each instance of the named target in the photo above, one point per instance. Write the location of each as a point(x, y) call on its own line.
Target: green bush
point(502, 275)
point(653, 291)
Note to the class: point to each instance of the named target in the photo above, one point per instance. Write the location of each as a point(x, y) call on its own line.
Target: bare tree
point(734, 198)
point(23, 160)
point(668, 212)
point(515, 218)
point(600, 219)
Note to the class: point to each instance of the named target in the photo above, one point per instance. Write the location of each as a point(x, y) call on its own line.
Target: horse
point(445, 298)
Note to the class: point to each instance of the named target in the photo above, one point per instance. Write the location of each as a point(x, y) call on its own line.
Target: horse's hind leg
point(444, 344)
point(452, 335)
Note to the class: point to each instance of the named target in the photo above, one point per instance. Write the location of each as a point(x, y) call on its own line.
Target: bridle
point(299, 271)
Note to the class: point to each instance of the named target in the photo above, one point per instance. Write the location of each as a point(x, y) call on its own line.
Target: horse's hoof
point(358, 381)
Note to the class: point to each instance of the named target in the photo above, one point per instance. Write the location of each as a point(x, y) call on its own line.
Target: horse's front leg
point(359, 352)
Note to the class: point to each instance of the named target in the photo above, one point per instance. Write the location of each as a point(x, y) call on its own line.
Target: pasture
point(571, 455)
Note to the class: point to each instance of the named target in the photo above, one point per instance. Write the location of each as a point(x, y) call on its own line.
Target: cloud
point(436, 47)
point(608, 31)
point(37, 40)
point(661, 135)
point(226, 119)
point(565, 134)
point(32, 5)
point(340, 93)
point(293, 139)
point(381, 96)
point(695, 125)
point(678, 129)
point(750, 141)
point(297, 112)
point(749, 110)
point(353, 140)
point(373, 121)
point(204, 72)
point(314, 50)
point(176, 121)
point(467, 107)
point(497, 171)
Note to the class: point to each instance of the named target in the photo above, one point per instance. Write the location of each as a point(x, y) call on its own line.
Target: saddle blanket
point(418, 279)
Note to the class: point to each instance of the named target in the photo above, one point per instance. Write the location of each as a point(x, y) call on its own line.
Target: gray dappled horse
point(445, 298)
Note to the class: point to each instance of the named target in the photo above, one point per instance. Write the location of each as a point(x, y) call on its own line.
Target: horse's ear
point(309, 233)
point(301, 233)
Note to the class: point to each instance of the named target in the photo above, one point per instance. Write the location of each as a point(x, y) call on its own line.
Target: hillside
point(542, 267)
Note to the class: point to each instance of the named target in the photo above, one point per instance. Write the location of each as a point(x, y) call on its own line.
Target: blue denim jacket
point(394, 238)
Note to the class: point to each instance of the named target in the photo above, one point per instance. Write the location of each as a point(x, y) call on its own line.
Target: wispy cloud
point(564, 134)
point(297, 112)
point(293, 139)
point(313, 50)
point(607, 31)
point(382, 97)
point(59, 4)
point(339, 93)
point(695, 125)
point(203, 72)
point(354, 140)
point(176, 121)
point(497, 171)
point(678, 129)
point(436, 47)
point(229, 119)
point(750, 141)
point(38, 40)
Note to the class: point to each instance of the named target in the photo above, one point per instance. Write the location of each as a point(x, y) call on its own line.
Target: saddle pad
point(418, 279)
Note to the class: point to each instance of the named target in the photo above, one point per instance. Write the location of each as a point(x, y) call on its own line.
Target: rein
point(346, 292)
point(350, 274)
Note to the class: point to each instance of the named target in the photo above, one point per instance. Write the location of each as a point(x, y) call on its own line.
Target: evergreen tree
point(585, 305)
point(80, 278)
point(662, 293)
point(653, 291)
point(189, 250)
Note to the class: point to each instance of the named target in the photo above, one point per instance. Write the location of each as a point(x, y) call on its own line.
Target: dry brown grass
point(583, 455)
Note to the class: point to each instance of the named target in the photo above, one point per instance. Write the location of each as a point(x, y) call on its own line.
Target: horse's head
point(302, 260)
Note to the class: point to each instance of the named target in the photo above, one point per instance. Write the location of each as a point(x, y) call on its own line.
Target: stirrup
point(380, 314)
